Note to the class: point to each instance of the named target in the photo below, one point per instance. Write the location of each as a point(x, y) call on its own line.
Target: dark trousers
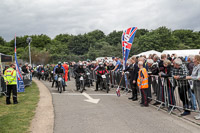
point(54, 81)
point(183, 95)
point(134, 89)
point(69, 75)
point(144, 93)
point(97, 82)
point(154, 85)
point(13, 89)
point(149, 89)
point(159, 90)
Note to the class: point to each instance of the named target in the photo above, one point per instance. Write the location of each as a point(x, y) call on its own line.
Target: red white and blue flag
point(20, 83)
point(118, 91)
point(127, 40)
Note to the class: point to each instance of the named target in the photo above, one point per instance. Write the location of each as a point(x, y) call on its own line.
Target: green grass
point(16, 118)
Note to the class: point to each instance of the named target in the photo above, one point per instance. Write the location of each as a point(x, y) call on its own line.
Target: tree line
point(67, 47)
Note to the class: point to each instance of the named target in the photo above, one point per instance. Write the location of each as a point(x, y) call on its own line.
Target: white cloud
point(53, 17)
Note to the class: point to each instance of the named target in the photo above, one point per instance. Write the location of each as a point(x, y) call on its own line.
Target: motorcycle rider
point(101, 70)
point(89, 79)
point(78, 71)
point(51, 72)
point(40, 69)
point(59, 70)
point(46, 73)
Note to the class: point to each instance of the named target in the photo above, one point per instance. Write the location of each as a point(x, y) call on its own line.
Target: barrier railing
point(168, 92)
point(26, 78)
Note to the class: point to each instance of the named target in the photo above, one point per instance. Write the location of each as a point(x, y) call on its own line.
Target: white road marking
point(90, 99)
point(79, 94)
point(92, 88)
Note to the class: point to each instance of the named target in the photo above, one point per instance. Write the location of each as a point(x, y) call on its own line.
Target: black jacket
point(133, 71)
point(24, 69)
point(153, 70)
point(79, 70)
point(110, 67)
point(59, 70)
point(167, 72)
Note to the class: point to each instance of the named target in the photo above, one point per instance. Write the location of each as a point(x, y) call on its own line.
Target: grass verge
point(16, 118)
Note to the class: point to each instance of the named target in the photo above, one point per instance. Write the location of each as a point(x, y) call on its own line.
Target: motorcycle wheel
point(60, 87)
point(77, 86)
point(88, 84)
point(101, 85)
point(106, 86)
point(82, 86)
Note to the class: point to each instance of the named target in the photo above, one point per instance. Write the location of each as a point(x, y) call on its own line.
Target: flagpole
point(29, 39)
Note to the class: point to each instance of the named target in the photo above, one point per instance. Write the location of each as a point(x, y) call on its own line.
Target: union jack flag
point(127, 40)
point(118, 91)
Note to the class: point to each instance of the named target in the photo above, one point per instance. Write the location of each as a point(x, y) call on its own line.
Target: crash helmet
point(59, 64)
point(81, 65)
point(100, 64)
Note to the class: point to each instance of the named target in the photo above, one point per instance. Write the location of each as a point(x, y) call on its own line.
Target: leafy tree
point(65, 47)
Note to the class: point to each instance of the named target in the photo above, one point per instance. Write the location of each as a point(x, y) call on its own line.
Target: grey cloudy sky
point(52, 17)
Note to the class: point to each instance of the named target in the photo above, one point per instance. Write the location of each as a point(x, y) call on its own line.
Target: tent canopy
point(147, 53)
point(182, 52)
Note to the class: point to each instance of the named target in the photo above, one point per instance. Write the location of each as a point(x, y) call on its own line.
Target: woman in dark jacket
point(166, 74)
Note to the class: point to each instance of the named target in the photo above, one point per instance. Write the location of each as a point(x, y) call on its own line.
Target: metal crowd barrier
point(173, 94)
point(168, 92)
point(3, 88)
point(114, 78)
point(27, 79)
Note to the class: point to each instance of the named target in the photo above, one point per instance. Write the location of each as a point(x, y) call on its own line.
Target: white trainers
point(197, 117)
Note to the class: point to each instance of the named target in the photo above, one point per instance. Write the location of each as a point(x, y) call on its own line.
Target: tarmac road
point(111, 114)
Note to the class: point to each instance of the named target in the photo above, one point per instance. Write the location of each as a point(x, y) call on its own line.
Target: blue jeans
point(192, 99)
point(56, 79)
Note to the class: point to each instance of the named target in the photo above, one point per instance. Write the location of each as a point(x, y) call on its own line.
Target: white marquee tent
point(147, 53)
point(182, 52)
point(177, 52)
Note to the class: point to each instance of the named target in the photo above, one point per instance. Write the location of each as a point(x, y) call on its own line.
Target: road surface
point(99, 112)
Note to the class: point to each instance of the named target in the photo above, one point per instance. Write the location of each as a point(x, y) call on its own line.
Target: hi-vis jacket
point(143, 78)
point(10, 76)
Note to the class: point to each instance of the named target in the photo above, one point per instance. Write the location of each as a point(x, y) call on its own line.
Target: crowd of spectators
point(147, 75)
point(172, 70)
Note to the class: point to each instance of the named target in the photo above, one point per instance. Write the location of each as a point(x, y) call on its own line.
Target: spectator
point(110, 66)
point(25, 68)
point(144, 62)
point(156, 59)
point(133, 75)
point(31, 71)
point(6, 67)
point(114, 62)
point(118, 64)
point(161, 66)
point(166, 74)
point(190, 64)
point(169, 58)
point(196, 77)
point(20, 67)
point(143, 83)
point(152, 70)
point(179, 73)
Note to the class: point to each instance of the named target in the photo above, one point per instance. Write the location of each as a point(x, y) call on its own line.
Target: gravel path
point(43, 121)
